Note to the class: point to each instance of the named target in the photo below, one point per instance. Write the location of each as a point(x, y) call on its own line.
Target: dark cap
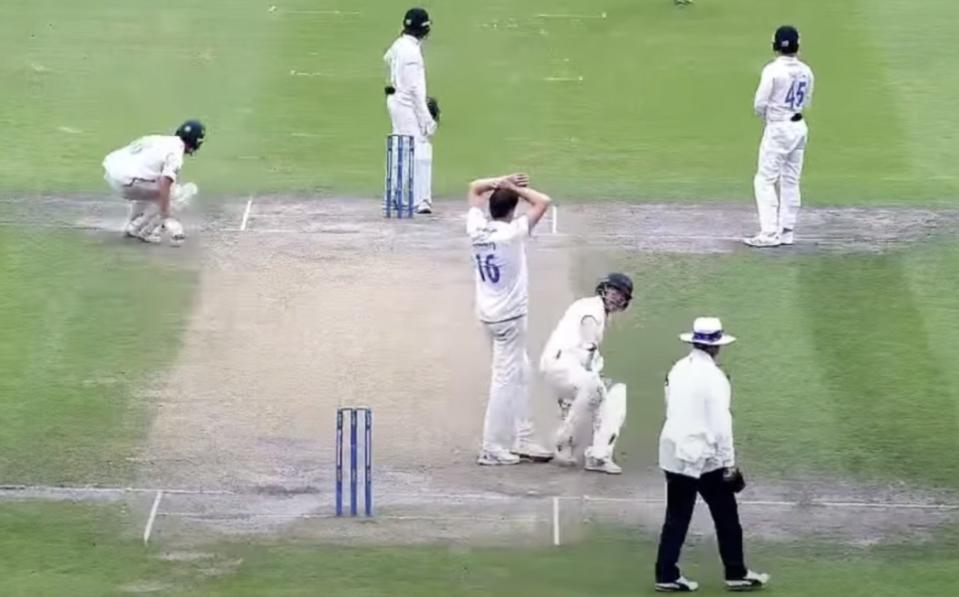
point(193, 133)
point(417, 20)
point(786, 40)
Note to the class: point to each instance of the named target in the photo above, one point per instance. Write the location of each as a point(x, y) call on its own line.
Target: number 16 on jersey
point(487, 268)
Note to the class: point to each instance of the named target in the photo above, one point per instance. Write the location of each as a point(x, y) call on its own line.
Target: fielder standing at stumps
point(412, 111)
point(785, 90)
point(571, 365)
point(146, 173)
point(502, 301)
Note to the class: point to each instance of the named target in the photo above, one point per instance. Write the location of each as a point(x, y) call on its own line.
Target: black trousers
point(680, 500)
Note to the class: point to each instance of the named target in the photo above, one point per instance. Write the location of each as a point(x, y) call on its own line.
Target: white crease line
point(578, 79)
point(555, 224)
point(246, 215)
point(556, 521)
point(399, 498)
point(94, 490)
point(263, 231)
point(251, 515)
point(153, 515)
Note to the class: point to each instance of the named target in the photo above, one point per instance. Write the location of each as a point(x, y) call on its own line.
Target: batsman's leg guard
point(608, 422)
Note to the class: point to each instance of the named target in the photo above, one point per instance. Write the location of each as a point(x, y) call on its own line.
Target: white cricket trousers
point(582, 396)
point(781, 154)
point(144, 213)
point(405, 123)
point(508, 421)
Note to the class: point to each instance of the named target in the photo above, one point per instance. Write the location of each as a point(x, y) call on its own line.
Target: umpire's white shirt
point(697, 437)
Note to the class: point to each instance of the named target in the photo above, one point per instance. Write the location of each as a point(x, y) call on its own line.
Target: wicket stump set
point(367, 458)
point(398, 196)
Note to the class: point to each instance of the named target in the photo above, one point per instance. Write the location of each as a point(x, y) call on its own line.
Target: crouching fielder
point(571, 365)
point(145, 173)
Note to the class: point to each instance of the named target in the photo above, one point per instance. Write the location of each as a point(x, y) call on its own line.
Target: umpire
point(696, 453)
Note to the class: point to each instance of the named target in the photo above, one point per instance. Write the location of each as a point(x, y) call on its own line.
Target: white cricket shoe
point(753, 581)
point(761, 242)
point(528, 450)
point(603, 466)
point(787, 237)
point(130, 230)
point(424, 208)
point(153, 238)
point(680, 585)
point(497, 457)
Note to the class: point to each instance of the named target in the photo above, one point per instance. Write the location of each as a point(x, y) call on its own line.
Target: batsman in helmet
point(571, 364)
point(146, 173)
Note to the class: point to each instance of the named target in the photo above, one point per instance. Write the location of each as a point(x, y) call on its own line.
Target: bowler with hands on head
point(501, 276)
point(696, 453)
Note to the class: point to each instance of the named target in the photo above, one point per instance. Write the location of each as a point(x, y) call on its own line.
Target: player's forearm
point(485, 185)
point(478, 189)
point(589, 333)
point(534, 197)
point(418, 92)
point(721, 425)
point(763, 93)
point(760, 103)
point(163, 198)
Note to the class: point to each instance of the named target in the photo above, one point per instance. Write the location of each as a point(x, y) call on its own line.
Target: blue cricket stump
point(398, 197)
point(354, 459)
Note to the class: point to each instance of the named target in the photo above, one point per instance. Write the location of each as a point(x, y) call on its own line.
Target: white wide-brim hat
point(708, 331)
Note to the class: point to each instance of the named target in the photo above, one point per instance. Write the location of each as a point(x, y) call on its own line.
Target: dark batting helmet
point(621, 282)
point(786, 40)
point(416, 22)
point(192, 132)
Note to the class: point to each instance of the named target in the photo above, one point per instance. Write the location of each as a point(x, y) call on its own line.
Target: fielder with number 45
point(502, 301)
point(785, 90)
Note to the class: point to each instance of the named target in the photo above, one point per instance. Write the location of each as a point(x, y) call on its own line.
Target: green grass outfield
point(845, 365)
point(663, 110)
point(59, 549)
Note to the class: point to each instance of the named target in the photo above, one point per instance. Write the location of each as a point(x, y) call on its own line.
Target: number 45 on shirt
point(487, 268)
point(796, 95)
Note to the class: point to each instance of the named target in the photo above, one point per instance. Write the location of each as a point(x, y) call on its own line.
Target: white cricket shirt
point(785, 89)
point(407, 72)
point(568, 333)
point(148, 158)
point(697, 437)
point(499, 266)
